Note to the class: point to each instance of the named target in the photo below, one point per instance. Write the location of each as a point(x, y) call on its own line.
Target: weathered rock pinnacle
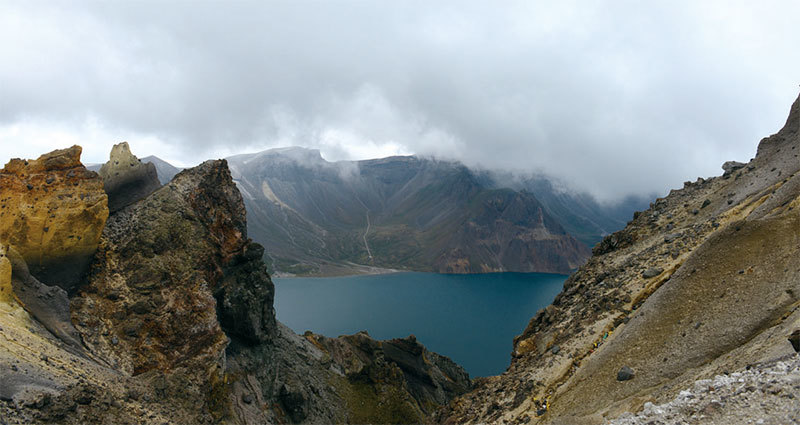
point(126, 179)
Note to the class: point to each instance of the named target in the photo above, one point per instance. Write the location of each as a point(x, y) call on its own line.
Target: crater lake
point(472, 319)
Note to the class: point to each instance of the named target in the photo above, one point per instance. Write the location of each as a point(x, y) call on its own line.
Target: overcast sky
point(614, 97)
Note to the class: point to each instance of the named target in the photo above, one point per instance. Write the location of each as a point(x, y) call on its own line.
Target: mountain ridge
point(299, 245)
point(303, 202)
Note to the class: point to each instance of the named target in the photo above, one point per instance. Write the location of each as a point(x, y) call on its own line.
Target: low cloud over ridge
point(616, 98)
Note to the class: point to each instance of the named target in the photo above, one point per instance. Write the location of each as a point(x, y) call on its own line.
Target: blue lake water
point(470, 318)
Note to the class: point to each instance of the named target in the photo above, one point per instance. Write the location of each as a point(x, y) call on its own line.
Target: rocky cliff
point(174, 323)
point(52, 210)
point(429, 379)
point(703, 283)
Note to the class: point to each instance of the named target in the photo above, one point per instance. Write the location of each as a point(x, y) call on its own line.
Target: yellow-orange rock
point(53, 210)
point(5, 277)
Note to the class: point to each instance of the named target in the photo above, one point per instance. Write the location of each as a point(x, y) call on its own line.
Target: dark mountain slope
point(398, 212)
point(166, 171)
point(579, 213)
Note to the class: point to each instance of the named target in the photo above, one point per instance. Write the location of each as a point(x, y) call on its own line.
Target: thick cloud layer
point(612, 97)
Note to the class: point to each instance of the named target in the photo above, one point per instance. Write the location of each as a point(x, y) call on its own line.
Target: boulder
point(126, 179)
point(794, 338)
point(625, 374)
point(652, 272)
point(730, 166)
point(53, 210)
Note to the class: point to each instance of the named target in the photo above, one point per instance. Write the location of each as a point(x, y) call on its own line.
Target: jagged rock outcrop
point(126, 179)
point(703, 283)
point(150, 301)
point(395, 369)
point(52, 211)
point(175, 324)
point(349, 379)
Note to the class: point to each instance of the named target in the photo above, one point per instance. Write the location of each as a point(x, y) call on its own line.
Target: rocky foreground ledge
point(170, 317)
point(765, 394)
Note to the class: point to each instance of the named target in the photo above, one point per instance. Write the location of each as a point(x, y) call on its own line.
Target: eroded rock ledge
point(52, 211)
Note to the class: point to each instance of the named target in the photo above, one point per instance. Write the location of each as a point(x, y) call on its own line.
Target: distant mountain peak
point(166, 171)
point(298, 154)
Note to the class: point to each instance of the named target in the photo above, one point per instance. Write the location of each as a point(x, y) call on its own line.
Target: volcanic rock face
point(161, 263)
point(52, 211)
point(350, 379)
point(430, 379)
point(703, 283)
point(6, 292)
point(148, 315)
point(126, 179)
point(511, 229)
point(49, 305)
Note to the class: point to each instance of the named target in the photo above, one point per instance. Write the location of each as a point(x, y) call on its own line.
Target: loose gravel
point(763, 394)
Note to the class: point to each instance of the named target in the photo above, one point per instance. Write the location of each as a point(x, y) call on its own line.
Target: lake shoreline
point(470, 318)
point(348, 270)
point(374, 271)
